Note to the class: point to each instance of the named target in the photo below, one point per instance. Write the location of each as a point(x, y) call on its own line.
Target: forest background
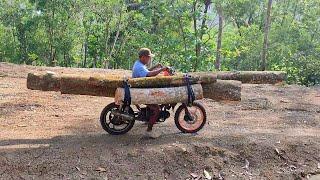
point(190, 35)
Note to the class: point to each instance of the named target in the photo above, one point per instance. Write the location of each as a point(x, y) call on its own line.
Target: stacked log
point(253, 77)
point(87, 85)
point(106, 85)
point(49, 81)
point(172, 81)
point(168, 95)
point(228, 87)
point(229, 90)
point(204, 77)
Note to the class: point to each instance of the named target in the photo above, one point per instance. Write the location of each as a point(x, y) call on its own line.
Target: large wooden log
point(168, 95)
point(105, 85)
point(204, 77)
point(223, 90)
point(45, 82)
point(86, 85)
point(172, 81)
point(253, 77)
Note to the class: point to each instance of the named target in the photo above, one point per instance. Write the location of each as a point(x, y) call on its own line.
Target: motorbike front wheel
point(116, 125)
point(194, 121)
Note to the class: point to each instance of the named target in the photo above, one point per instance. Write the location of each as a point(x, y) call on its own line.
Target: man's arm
point(156, 72)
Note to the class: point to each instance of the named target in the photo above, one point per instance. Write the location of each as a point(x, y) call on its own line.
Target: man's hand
point(158, 66)
point(157, 71)
point(165, 68)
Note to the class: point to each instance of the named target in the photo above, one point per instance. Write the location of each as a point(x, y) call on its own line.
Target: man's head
point(145, 55)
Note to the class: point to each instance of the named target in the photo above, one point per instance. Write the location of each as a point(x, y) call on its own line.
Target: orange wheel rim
point(196, 114)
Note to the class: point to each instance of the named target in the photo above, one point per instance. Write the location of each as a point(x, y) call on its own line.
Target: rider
point(140, 70)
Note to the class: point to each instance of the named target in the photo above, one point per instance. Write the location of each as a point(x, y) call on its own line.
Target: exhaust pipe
point(124, 116)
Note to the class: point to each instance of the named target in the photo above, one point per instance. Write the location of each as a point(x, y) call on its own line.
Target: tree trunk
point(182, 33)
point(169, 95)
point(23, 42)
point(154, 20)
point(100, 84)
point(14, 35)
point(45, 82)
point(52, 56)
point(52, 61)
point(223, 90)
point(236, 22)
point(204, 20)
point(85, 54)
point(266, 37)
point(106, 85)
point(107, 37)
point(202, 31)
point(116, 37)
point(94, 63)
point(65, 59)
point(254, 77)
point(195, 33)
point(218, 55)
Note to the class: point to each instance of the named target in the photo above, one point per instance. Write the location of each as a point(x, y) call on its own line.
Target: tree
point(222, 35)
point(219, 38)
point(266, 34)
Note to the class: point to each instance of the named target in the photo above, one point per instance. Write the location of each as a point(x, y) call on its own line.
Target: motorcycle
point(119, 119)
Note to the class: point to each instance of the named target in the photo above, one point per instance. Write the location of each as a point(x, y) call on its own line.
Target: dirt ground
point(273, 133)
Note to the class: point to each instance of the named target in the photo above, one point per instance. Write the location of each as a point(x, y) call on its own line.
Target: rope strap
point(127, 95)
point(191, 96)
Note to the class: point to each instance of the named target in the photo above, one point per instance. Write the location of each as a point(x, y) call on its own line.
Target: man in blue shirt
point(140, 70)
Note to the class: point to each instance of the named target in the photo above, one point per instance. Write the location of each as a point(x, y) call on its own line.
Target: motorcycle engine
point(144, 114)
point(164, 114)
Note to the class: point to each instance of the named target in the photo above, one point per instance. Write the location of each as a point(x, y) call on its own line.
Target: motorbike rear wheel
point(116, 125)
point(195, 122)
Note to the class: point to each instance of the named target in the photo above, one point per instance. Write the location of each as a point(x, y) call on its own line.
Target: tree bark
point(219, 39)
point(159, 95)
point(94, 62)
point(202, 30)
point(236, 22)
point(204, 20)
point(154, 20)
point(115, 39)
point(23, 42)
point(107, 37)
point(100, 84)
point(106, 86)
point(195, 33)
point(51, 38)
point(180, 27)
point(44, 82)
point(223, 90)
point(266, 37)
point(85, 53)
point(254, 77)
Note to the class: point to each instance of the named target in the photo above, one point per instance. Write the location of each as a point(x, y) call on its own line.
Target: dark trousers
point(155, 111)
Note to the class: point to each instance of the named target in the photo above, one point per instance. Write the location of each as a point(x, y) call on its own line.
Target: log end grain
point(43, 81)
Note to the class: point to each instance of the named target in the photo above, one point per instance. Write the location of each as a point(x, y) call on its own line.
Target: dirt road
point(273, 133)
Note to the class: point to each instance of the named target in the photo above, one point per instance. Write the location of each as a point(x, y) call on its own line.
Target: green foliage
point(182, 33)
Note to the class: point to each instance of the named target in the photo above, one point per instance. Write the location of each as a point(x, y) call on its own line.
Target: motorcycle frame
point(165, 106)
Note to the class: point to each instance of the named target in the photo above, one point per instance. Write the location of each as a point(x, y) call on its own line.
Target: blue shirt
point(139, 70)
